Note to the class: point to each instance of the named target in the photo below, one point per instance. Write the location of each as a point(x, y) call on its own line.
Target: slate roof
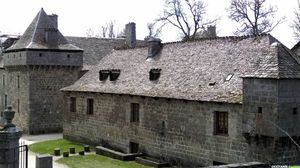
point(194, 70)
point(96, 48)
point(34, 36)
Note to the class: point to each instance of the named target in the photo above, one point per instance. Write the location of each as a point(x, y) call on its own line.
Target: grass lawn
point(87, 161)
point(47, 147)
point(98, 161)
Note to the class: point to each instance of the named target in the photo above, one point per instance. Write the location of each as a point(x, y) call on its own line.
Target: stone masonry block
point(44, 161)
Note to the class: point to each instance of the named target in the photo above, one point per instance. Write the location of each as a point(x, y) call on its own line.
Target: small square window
point(135, 112)
point(72, 104)
point(295, 111)
point(90, 106)
point(221, 123)
point(259, 110)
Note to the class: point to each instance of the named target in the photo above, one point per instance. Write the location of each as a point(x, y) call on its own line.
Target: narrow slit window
point(5, 101)
point(18, 81)
point(3, 80)
point(18, 105)
point(154, 74)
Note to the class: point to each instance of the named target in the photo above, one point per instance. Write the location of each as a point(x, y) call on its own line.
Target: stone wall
point(17, 92)
point(187, 136)
point(279, 101)
point(260, 93)
point(46, 98)
point(2, 90)
point(37, 98)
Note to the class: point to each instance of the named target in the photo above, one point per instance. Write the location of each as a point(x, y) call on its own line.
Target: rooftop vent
point(212, 83)
point(154, 74)
point(103, 74)
point(114, 74)
point(154, 46)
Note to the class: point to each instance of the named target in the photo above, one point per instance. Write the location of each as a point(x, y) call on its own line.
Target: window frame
point(221, 123)
point(134, 112)
point(90, 106)
point(73, 104)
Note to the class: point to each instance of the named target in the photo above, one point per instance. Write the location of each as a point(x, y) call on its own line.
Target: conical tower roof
point(42, 34)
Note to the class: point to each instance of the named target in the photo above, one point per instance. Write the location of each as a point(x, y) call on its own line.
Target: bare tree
point(296, 22)
point(186, 15)
point(254, 16)
point(106, 31)
point(103, 31)
point(111, 29)
point(90, 33)
point(152, 30)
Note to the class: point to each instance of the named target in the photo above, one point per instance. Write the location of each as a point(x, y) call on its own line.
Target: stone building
point(40, 63)
point(209, 101)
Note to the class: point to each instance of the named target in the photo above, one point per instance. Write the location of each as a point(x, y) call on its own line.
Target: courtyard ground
point(30, 139)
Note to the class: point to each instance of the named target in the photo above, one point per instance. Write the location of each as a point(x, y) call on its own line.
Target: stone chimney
point(130, 35)
point(154, 46)
point(211, 32)
point(53, 17)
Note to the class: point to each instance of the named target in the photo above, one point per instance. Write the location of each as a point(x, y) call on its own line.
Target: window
point(5, 101)
point(3, 80)
point(295, 111)
point(134, 114)
point(154, 74)
point(18, 81)
point(229, 77)
point(133, 147)
point(18, 105)
point(72, 104)
point(114, 74)
point(103, 75)
point(221, 122)
point(259, 110)
point(212, 83)
point(90, 106)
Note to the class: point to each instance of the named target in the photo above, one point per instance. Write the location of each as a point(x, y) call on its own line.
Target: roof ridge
point(220, 37)
point(36, 24)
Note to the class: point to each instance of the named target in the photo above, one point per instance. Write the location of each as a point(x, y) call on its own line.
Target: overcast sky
point(76, 16)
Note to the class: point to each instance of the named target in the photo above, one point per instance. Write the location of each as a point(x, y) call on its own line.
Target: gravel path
point(29, 139)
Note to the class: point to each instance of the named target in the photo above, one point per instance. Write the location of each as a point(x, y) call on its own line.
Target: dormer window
point(103, 74)
point(114, 74)
point(154, 74)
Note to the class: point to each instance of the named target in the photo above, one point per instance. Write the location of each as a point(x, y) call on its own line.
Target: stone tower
point(37, 66)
